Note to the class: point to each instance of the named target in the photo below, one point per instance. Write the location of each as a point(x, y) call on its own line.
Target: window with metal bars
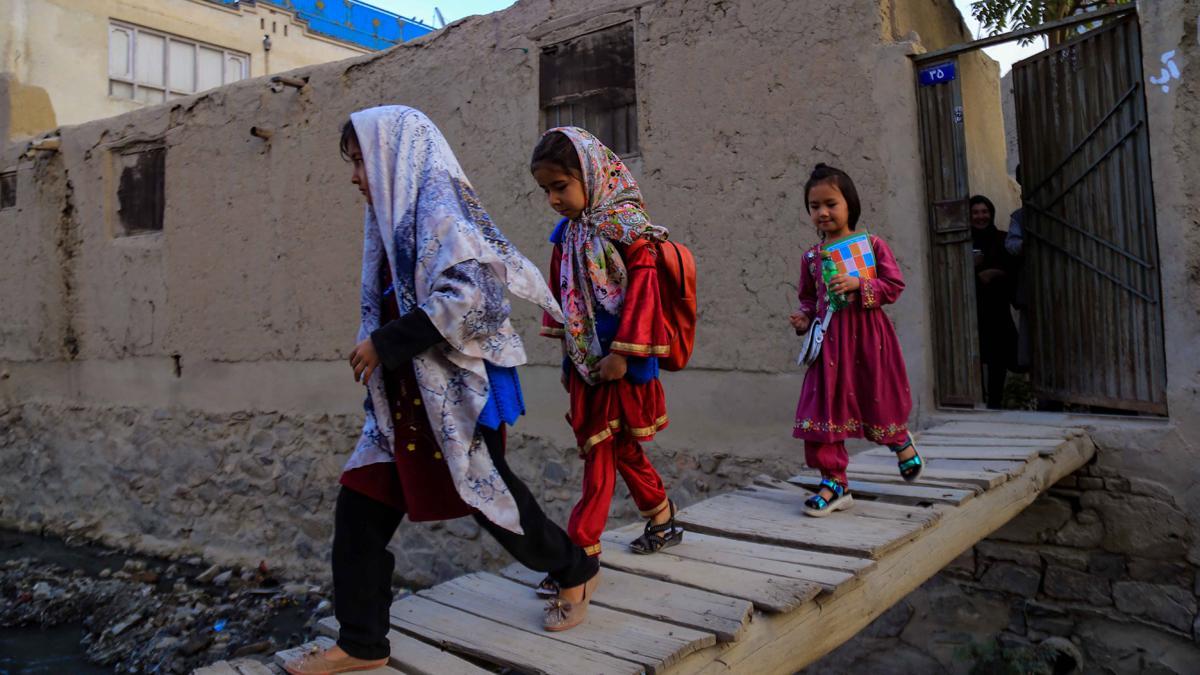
point(589, 81)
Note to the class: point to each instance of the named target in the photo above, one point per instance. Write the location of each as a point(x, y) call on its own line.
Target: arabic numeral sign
point(939, 74)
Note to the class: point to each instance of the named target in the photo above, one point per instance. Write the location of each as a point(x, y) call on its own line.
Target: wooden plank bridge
point(755, 587)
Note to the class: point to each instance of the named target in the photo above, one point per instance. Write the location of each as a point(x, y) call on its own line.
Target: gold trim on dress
point(616, 425)
point(594, 549)
point(597, 440)
point(643, 432)
point(642, 350)
point(547, 331)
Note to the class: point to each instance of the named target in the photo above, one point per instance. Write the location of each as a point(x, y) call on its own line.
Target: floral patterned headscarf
point(424, 221)
point(592, 270)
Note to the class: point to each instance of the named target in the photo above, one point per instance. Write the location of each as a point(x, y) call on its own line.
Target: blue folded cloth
point(505, 402)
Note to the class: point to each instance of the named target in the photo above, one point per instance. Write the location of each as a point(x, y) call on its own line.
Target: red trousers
point(623, 454)
point(831, 459)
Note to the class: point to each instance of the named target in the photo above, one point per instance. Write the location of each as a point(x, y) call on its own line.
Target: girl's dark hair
point(348, 136)
point(556, 148)
point(823, 173)
point(980, 199)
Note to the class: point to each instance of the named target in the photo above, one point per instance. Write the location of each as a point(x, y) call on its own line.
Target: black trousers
point(362, 565)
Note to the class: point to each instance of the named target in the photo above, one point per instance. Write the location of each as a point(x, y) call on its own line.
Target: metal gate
point(1090, 245)
point(943, 144)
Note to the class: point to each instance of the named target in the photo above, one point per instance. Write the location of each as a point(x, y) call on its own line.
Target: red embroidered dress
point(634, 404)
point(859, 388)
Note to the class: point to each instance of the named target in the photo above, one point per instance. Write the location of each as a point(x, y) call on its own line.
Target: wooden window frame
point(8, 190)
point(625, 140)
point(121, 229)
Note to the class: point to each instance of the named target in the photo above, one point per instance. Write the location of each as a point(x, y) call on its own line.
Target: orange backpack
point(677, 291)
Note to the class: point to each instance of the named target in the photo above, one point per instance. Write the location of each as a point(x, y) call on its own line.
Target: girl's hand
point(611, 367)
point(364, 360)
point(844, 283)
point(800, 322)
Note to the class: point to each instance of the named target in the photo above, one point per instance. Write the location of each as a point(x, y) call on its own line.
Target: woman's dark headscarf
point(987, 239)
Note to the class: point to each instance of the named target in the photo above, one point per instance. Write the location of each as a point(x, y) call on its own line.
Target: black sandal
point(548, 588)
point(840, 499)
point(653, 538)
point(910, 469)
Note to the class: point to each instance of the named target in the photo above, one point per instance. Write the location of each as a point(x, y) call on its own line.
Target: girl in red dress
point(859, 386)
point(614, 331)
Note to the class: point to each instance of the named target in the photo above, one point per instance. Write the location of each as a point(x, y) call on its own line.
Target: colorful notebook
point(853, 255)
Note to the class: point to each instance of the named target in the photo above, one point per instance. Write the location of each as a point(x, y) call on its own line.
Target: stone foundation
point(237, 489)
point(1096, 571)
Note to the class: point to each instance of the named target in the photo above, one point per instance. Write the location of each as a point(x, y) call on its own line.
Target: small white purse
point(810, 349)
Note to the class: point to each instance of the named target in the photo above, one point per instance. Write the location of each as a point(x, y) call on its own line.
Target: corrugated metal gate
point(1090, 244)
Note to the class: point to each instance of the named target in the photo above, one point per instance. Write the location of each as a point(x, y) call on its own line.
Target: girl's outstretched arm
point(398, 341)
point(886, 287)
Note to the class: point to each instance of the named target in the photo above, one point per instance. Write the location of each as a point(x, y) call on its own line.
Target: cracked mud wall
point(146, 375)
point(138, 370)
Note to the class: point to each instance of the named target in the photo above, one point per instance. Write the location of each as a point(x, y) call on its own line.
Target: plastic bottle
point(828, 272)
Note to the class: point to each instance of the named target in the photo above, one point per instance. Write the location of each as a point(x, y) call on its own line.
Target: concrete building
point(178, 297)
point(96, 58)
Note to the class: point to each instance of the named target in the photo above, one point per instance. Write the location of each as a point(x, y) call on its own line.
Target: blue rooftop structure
point(348, 21)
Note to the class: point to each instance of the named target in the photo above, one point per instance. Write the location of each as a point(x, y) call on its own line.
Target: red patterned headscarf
point(592, 269)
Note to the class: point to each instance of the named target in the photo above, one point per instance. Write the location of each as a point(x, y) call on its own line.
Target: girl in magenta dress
point(858, 387)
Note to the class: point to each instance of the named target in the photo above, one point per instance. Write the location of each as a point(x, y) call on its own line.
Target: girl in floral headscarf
point(608, 287)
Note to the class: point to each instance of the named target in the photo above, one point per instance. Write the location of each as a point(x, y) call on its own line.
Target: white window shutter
point(150, 59)
point(120, 46)
point(182, 66)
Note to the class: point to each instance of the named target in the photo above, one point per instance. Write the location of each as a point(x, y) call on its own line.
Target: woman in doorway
point(994, 276)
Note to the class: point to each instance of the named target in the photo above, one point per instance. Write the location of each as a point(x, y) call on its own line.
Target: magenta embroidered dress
point(859, 387)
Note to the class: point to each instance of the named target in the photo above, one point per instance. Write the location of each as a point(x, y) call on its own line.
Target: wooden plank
point(889, 461)
point(286, 655)
point(799, 556)
point(218, 668)
point(1005, 430)
point(498, 643)
point(1004, 467)
point(1039, 447)
point(768, 592)
point(653, 644)
point(989, 441)
point(792, 497)
point(712, 549)
point(746, 517)
point(786, 643)
point(963, 452)
point(926, 480)
point(412, 656)
point(724, 616)
point(982, 479)
point(904, 493)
